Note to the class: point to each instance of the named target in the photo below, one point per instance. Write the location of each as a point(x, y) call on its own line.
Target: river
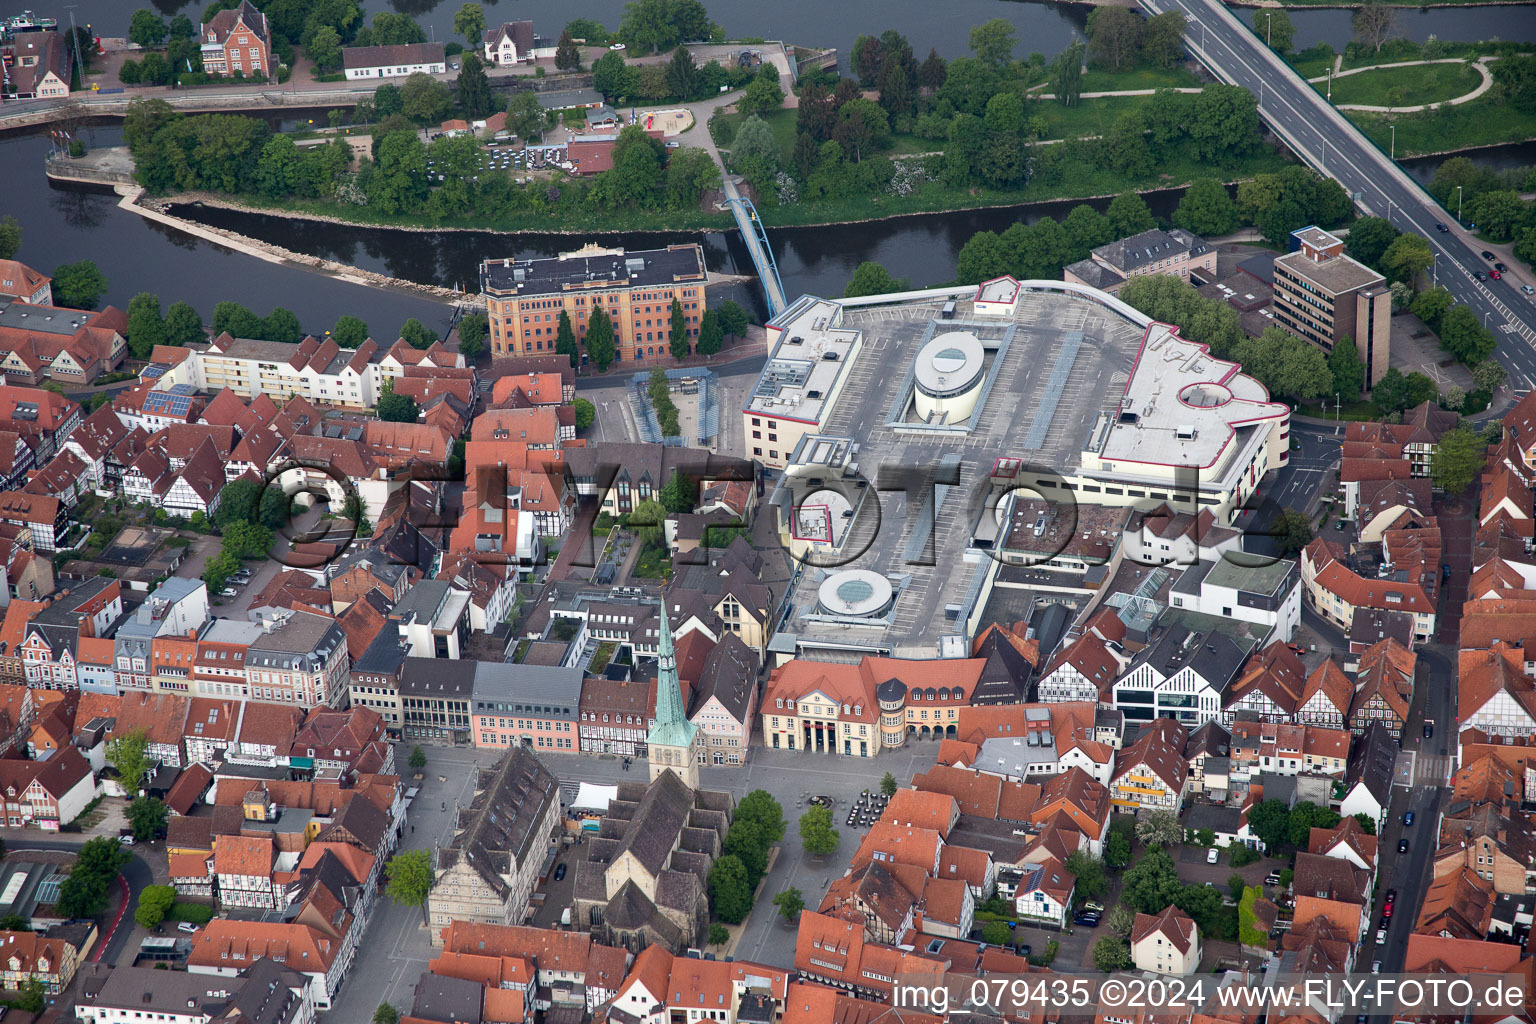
point(1046, 27)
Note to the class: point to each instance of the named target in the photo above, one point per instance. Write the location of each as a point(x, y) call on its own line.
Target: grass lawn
point(1310, 67)
point(652, 562)
point(1138, 78)
point(1483, 122)
point(1088, 117)
point(1419, 84)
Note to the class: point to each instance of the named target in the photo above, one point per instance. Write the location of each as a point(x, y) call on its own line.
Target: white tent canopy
point(592, 797)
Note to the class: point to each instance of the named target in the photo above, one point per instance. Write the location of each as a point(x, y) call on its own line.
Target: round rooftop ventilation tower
point(948, 376)
point(857, 593)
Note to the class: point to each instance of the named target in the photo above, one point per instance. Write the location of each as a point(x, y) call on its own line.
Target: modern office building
point(1324, 296)
point(524, 298)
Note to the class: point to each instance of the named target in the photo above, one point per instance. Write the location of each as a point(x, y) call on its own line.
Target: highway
point(1330, 144)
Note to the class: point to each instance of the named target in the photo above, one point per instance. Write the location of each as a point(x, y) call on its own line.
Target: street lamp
point(1458, 204)
point(1392, 151)
point(1269, 24)
point(1330, 83)
point(1337, 401)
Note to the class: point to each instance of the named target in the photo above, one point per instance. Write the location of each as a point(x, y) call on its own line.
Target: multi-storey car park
point(912, 435)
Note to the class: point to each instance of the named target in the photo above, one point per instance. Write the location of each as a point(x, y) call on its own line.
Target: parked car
point(1402, 846)
point(1297, 649)
point(1496, 275)
point(186, 926)
point(1212, 855)
point(1092, 905)
point(1386, 914)
point(1024, 949)
point(1391, 896)
point(1375, 966)
point(1381, 936)
point(1487, 255)
point(1527, 289)
point(616, 46)
point(1088, 919)
point(125, 840)
point(1272, 878)
point(1501, 268)
point(559, 872)
point(1479, 275)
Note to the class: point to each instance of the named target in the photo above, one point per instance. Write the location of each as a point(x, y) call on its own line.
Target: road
point(1325, 139)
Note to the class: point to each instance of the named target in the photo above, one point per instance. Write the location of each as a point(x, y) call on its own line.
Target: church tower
point(674, 741)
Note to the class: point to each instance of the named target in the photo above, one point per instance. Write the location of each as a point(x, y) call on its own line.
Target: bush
point(1242, 856)
point(196, 913)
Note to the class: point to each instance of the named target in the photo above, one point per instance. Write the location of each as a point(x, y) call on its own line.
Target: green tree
point(677, 335)
point(1159, 828)
point(1306, 816)
point(730, 893)
point(349, 332)
point(1152, 883)
point(747, 843)
point(1292, 530)
point(754, 148)
point(1394, 391)
point(1125, 146)
point(418, 759)
point(474, 88)
point(1347, 369)
point(1366, 822)
point(1067, 75)
point(469, 22)
point(473, 329)
point(97, 864)
point(1464, 336)
point(682, 76)
point(1431, 305)
point(1206, 209)
point(424, 99)
point(394, 408)
point(734, 318)
point(325, 49)
point(1162, 43)
point(996, 933)
point(524, 115)
point(1407, 257)
point(599, 340)
point(993, 42)
point(1498, 214)
point(711, 333)
point(761, 95)
point(409, 879)
point(586, 414)
point(1270, 822)
point(147, 817)
point(386, 1014)
point(146, 327)
point(1488, 375)
point(1224, 120)
point(1457, 460)
point(888, 785)
point(565, 338)
point(1091, 879)
point(1275, 27)
point(1117, 846)
point(391, 29)
point(1128, 214)
point(817, 835)
point(612, 77)
point(282, 325)
point(1115, 37)
point(1369, 239)
point(1121, 921)
point(417, 334)
point(1111, 954)
point(129, 754)
point(146, 28)
point(790, 902)
point(719, 934)
point(679, 494)
point(154, 903)
point(235, 320)
point(567, 56)
point(78, 285)
point(870, 278)
point(247, 540)
point(10, 237)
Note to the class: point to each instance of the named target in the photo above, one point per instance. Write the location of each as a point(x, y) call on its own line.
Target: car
point(1297, 649)
point(1375, 966)
point(1501, 268)
point(673, 145)
point(560, 872)
point(1024, 949)
point(1402, 846)
point(1212, 855)
point(1495, 275)
point(1441, 228)
point(1391, 896)
point(1272, 879)
point(1527, 289)
point(1088, 920)
point(186, 926)
point(1093, 906)
point(1386, 914)
point(1429, 729)
point(229, 592)
point(1487, 255)
point(1407, 819)
point(616, 46)
point(1381, 936)
point(453, 65)
point(1479, 275)
point(125, 840)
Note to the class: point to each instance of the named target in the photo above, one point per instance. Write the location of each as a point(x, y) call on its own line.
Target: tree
point(599, 339)
point(155, 902)
point(1431, 305)
point(1159, 828)
point(1086, 229)
point(711, 334)
point(1224, 119)
point(274, 508)
point(1091, 880)
point(129, 754)
point(409, 879)
point(1366, 822)
point(932, 72)
point(1067, 75)
point(395, 408)
point(762, 94)
point(746, 842)
point(282, 325)
point(418, 759)
point(682, 75)
point(817, 835)
point(1128, 214)
point(325, 48)
point(734, 318)
point(524, 115)
point(1114, 37)
point(1372, 22)
point(417, 334)
point(245, 539)
point(146, 28)
point(730, 893)
point(1457, 460)
point(147, 817)
point(146, 327)
point(567, 56)
point(612, 77)
point(349, 332)
point(1206, 209)
point(1117, 847)
point(677, 334)
point(719, 935)
point(755, 152)
point(97, 863)
point(1487, 376)
point(1152, 883)
point(1274, 26)
point(386, 1014)
point(390, 29)
point(469, 22)
point(1125, 146)
point(1111, 954)
point(993, 42)
point(1497, 214)
point(1270, 822)
point(790, 902)
point(586, 414)
point(1347, 369)
point(473, 329)
point(1162, 43)
point(1464, 336)
point(1121, 921)
point(78, 285)
point(10, 237)
point(1369, 238)
point(424, 99)
point(1292, 531)
point(1407, 257)
point(235, 320)
point(870, 278)
point(996, 933)
point(888, 785)
point(473, 87)
point(759, 806)
point(1306, 816)
point(1395, 391)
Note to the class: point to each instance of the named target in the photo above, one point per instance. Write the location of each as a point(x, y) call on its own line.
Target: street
point(1325, 139)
